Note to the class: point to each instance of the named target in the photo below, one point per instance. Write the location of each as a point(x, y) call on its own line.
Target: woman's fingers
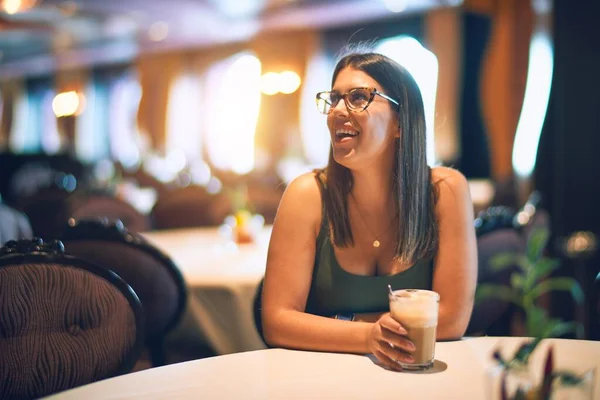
point(390, 324)
point(397, 352)
point(387, 361)
point(390, 356)
point(391, 343)
point(395, 334)
point(397, 341)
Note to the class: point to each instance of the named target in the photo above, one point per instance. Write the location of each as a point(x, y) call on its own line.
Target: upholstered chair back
point(152, 274)
point(190, 207)
point(102, 205)
point(65, 322)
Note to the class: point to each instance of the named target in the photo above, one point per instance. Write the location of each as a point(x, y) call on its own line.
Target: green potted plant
point(528, 283)
point(531, 281)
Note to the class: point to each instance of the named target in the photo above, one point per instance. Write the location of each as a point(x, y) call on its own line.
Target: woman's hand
point(389, 343)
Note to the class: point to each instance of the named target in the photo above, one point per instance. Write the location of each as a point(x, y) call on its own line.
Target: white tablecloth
point(222, 279)
point(287, 374)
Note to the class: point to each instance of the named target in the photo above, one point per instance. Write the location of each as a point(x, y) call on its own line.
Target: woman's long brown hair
point(415, 194)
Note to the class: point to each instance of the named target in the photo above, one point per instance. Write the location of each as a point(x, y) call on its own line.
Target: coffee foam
point(415, 308)
point(414, 318)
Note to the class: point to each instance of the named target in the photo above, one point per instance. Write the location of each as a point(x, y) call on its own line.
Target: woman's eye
point(358, 97)
point(334, 98)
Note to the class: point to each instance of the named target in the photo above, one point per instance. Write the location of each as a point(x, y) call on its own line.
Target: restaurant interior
point(154, 139)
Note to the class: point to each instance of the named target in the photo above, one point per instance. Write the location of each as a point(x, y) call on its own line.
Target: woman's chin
point(344, 157)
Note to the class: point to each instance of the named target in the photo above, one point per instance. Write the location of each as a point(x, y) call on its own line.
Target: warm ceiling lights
point(269, 83)
point(285, 82)
point(158, 31)
point(15, 6)
point(67, 104)
point(395, 6)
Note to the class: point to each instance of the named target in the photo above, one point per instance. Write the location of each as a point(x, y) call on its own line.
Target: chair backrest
point(65, 322)
point(190, 207)
point(152, 274)
point(104, 205)
point(500, 230)
point(47, 210)
point(490, 316)
point(14, 225)
point(50, 209)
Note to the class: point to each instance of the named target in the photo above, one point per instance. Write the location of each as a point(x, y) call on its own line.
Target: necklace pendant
point(376, 243)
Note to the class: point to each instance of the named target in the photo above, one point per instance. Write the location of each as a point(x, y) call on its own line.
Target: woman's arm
point(455, 273)
point(287, 284)
point(288, 277)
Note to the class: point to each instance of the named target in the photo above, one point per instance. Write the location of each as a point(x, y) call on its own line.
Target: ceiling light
point(240, 8)
point(269, 83)
point(158, 31)
point(289, 82)
point(395, 5)
point(15, 6)
point(68, 103)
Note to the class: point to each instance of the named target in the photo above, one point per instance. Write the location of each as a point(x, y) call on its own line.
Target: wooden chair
point(65, 322)
point(500, 230)
point(191, 206)
point(152, 274)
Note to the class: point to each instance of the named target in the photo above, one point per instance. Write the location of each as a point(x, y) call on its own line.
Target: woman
point(377, 215)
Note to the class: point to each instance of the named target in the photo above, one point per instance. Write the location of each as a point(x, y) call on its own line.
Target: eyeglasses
point(357, 99)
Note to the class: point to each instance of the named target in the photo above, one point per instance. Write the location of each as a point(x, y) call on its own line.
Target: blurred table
point(460, 372)
point(222, 279)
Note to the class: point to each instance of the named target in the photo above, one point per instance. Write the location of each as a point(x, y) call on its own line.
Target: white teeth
point(345, 132)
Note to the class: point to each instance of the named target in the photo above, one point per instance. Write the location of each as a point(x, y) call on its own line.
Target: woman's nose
point(340, 108)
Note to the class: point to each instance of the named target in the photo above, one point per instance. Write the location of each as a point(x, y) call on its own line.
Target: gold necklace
point(376, 242)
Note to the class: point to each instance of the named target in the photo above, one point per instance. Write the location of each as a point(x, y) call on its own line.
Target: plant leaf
point(499, 292)
point(562, 283)
point(503, 261)
point(517, 281)
point(537, 243)
point(544, 266)
point(568, 378)
point(536, 320)
point(496, 355)
point(524, 351)
point(558, 328)
point(548, 374)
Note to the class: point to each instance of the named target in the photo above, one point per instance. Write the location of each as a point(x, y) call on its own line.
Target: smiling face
point(360, 139)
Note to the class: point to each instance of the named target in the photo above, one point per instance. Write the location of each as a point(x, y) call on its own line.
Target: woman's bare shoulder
point(446, 174)
point(305, 186)
point(302, 198)
point(451, 185)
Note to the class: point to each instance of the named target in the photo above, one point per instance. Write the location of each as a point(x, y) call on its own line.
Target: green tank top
point(336, 291)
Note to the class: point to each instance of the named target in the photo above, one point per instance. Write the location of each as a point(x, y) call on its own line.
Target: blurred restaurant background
point(179, 114)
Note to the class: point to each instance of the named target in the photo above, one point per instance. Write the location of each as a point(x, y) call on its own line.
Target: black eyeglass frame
point(373, 91)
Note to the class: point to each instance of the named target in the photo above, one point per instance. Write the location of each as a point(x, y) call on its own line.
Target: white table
point(287, 374)
point(222, 279)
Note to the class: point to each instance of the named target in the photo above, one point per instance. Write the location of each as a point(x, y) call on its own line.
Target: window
point(124, 100)
point(51, 140)
point(313, 125)
point(535, 104)
point(91, 127)
point(184, 118)
point(423, 66)
point(232, 106)
point(23, 138)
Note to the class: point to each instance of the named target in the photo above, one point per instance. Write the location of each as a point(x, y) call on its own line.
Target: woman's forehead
point(349, 78)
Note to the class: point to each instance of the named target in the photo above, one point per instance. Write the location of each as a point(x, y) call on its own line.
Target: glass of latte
point(417, 311)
